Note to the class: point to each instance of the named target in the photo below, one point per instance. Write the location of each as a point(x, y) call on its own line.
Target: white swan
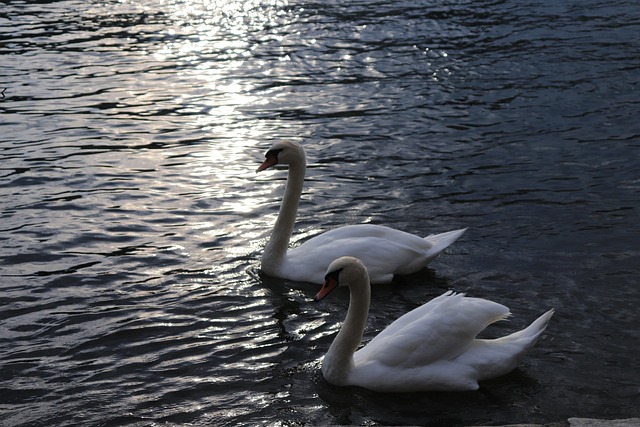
point(432, 347)
point(386, 250)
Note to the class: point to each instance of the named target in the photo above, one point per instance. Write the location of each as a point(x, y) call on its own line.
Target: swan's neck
point(276, 248)
point(338, 361)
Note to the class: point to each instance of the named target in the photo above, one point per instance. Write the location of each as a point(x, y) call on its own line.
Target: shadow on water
point(496, 402)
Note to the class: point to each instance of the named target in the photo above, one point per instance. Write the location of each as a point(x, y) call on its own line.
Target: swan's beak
point(329, 285)
point(269, 161)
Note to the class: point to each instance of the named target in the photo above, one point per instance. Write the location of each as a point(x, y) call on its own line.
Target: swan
point(388, 251)
point(433, 347)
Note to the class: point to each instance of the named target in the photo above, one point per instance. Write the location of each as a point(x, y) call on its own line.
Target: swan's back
point(441, 329)
point(434, 347)
point(384, 250)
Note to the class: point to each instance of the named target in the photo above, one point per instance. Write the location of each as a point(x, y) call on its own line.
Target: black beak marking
point(332, 275)
point(273, 153)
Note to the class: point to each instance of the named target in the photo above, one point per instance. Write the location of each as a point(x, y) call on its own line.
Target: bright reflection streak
point(212, 41)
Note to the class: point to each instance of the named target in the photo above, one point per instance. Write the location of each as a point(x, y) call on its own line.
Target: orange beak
point(272, 159)
point(329, 285)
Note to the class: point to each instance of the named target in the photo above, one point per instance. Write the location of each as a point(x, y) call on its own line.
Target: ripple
point(132, 220)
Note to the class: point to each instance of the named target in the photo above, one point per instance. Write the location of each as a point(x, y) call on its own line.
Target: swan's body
point(386, 250)
point(432, 347)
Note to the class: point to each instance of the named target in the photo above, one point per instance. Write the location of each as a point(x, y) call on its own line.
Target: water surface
point(132, 220)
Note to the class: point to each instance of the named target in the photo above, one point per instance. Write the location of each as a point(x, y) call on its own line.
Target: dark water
point(132, 220)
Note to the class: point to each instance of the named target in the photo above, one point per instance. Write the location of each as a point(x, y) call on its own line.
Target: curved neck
point(338, 361)
point(276, 248)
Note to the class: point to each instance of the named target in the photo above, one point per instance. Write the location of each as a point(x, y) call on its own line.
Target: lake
point(132, 220)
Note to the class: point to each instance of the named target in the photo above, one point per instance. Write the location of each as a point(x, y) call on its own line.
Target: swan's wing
point(382, 249)
point(442, 329)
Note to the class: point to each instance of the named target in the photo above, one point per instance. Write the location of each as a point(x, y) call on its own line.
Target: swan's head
point(344, 271)
point(283, 153)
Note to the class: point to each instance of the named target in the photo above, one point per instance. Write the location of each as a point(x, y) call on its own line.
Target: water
point(132, 219)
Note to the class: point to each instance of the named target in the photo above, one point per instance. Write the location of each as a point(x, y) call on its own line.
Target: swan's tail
point(441, 241)
point(495, 357)
point(530, 334)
